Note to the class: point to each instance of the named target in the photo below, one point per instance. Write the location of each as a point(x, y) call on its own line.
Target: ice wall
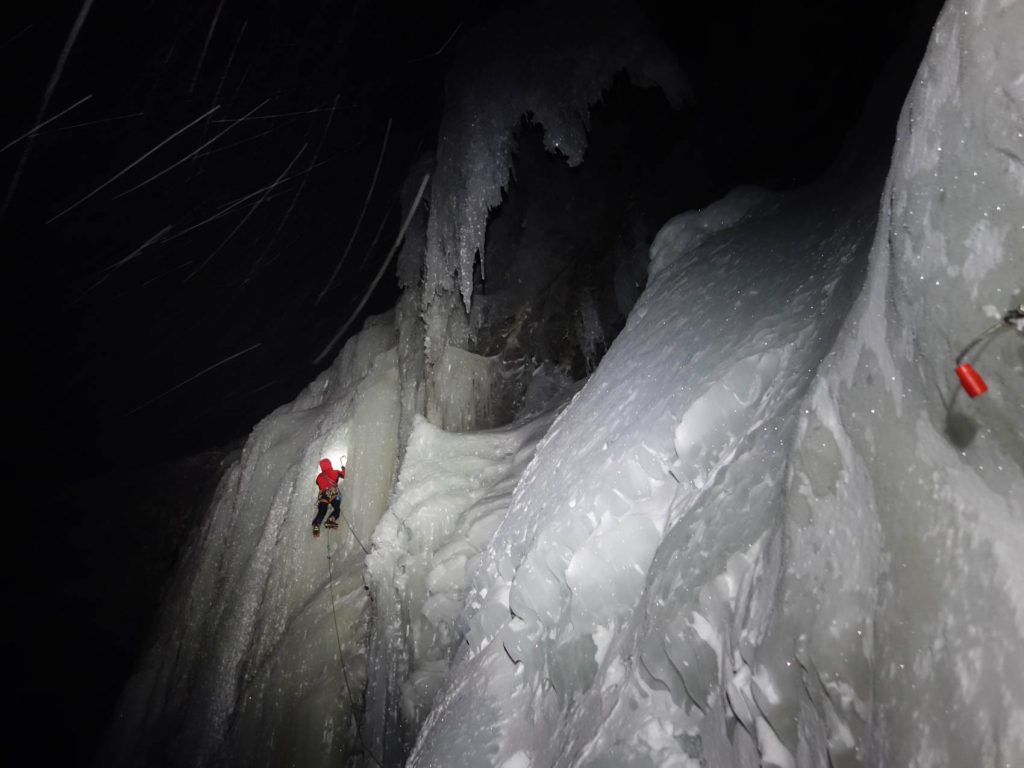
point(596, 630)
point(249, 663)
point(453, 491)
point(768, 532)
point(936, 476)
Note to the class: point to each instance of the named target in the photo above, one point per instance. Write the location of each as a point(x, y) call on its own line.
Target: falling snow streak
point(312, 162)
point(224, 76)
point(359, 221)
point(316, 111)
point(127, 168)
point(90, 289)
point(51, 86)
point(140, 286)
point(228, 208)
point(154, 239)
point(380, 273)
point(231, 60)
point(273, 238)
point(224, 208)
point(17, 36)
point(164, 274)
point(260, 388)
point(192, 154)
point(108, 271)
point(263, 261)
point(190, 379)
point(234, 144)
point(281, 251)
point(241, 82)
point(440, 50)
point(100, 121)
point(380, 231)
point(206, 46)
point(32, 132)
point(231, 205)
point(280, 179)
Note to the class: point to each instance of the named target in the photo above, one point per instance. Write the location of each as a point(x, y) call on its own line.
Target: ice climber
point(328, 482)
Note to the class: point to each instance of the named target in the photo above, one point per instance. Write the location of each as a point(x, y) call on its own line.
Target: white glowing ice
point(767, 530)
point(245, 668)
point(791, 538)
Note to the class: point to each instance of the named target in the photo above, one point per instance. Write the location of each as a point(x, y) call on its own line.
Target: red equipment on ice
point(970, 379)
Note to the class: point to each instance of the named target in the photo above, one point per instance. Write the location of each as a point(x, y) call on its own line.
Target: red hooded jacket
point(328, 475)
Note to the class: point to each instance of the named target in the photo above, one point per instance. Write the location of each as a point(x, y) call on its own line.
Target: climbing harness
point(972, 382)
point(341, 657)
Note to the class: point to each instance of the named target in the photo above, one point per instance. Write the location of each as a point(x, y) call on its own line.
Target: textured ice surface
point(767, 531)
point(939, 476)
point(745, 544)
point(453, 491)
point(646, 532)
point(245, 668)
point(688, 230)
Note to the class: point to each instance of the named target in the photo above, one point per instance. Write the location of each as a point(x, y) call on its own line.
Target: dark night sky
point(155, 321)
point(784, 80)
point(100, 349)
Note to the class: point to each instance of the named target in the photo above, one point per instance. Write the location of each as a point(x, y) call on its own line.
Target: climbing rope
point(354, 534)
point(341, 655)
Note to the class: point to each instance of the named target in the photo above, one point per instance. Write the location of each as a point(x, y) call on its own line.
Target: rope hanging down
point(354, 534)
point(341, 657)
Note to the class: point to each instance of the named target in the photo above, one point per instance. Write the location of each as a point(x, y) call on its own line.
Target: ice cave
point(641, 471)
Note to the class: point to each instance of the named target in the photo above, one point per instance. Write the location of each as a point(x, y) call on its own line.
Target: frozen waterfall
point(767, 530)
